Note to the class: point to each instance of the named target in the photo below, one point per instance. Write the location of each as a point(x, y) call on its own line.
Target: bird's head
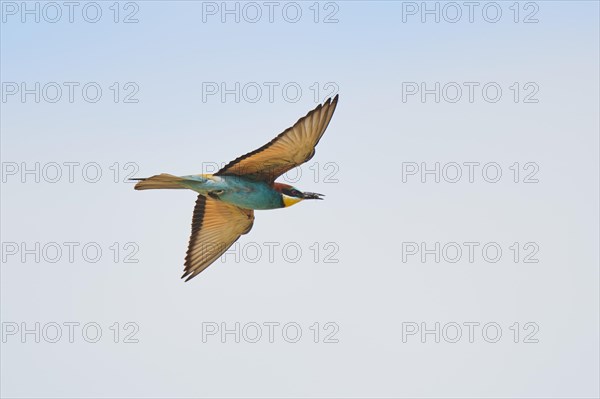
point(291, 195)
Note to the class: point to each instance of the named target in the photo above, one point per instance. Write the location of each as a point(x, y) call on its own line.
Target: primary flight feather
point(226, 200)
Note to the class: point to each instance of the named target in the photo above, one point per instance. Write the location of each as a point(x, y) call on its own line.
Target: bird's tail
point(161, 181)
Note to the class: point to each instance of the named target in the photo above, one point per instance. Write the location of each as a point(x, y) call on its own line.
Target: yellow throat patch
point(289, 201)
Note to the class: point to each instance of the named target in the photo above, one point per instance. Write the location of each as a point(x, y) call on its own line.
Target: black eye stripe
point(292, 192)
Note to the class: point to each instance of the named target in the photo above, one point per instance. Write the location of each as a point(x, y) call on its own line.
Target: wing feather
point(289, 149)
point(215, 227)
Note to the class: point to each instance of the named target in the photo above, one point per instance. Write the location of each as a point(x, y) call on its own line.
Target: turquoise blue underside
point(236, 190)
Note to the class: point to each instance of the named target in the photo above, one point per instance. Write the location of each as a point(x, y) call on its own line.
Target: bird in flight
point(227, 199)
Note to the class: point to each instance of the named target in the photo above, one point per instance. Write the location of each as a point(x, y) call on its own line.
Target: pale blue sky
point(367, 214)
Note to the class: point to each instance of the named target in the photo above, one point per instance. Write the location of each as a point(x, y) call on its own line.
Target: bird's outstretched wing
point(289, 149)
point(215, 227)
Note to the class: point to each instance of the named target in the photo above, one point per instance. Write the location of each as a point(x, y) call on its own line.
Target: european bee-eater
point(227, 199)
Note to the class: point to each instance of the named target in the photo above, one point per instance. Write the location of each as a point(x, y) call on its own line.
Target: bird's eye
point(292, 192)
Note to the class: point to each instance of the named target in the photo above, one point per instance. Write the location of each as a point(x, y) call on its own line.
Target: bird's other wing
point(216, 226)
point(289, 149)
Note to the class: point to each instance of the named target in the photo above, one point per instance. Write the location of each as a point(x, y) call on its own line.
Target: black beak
point(307, 195)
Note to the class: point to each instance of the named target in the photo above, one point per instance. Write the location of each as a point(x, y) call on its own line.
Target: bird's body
point(235, 190)
point(226, 200)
